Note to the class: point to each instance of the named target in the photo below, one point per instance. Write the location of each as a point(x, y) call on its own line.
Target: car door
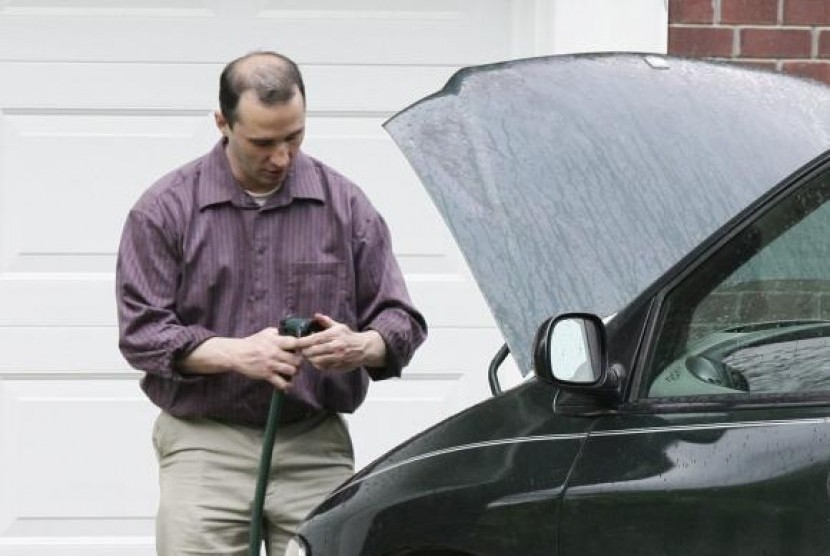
point(723, 444)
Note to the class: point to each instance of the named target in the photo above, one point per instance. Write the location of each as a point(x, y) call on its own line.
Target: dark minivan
point(652, 235)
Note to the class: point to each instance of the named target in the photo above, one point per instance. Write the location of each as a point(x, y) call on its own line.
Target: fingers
point(324, 320)
point(331, 330)
point(316, 349)
point(278, 381)
point(281, 371)
point(269, 356)
point(285, 361)
point(323, 356)
point(330, 363)
point(337, 348)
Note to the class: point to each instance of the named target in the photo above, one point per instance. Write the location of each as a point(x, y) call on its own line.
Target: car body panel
point(702, 483)
point(573, 182)
point(492, 471)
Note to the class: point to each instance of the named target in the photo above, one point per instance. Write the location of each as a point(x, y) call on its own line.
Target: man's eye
point(262, 143)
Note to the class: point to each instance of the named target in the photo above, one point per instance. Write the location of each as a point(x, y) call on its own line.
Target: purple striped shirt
point(199, 258)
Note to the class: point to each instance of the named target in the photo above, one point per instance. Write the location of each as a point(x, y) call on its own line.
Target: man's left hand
point(339, 348)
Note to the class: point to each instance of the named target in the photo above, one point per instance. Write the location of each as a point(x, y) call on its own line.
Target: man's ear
point(221, 123)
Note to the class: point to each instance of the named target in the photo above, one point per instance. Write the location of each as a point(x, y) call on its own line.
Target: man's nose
point(280, 156)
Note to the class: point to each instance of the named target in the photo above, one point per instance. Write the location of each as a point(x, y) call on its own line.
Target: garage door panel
point(418, 31)
point(118, 8)
point(347, 143)
point(450, 301)
point(69, 179)
point(378, 90)
point(78, 546)
point(76, 494)
point(85, 350)
point(101, 88)
point(55, 478)
point(44, 300)
point(342, 89)
point(455, 352)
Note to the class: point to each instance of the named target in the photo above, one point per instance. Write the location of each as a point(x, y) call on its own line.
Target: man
point(212, 257)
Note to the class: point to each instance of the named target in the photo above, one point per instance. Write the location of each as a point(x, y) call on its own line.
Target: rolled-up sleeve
point(151, 337)
point(383, 301)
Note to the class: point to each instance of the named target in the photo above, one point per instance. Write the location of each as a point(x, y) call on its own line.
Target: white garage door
point(100, 97)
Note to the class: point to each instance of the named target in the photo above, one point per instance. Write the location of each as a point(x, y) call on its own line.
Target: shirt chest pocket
point(319, 287)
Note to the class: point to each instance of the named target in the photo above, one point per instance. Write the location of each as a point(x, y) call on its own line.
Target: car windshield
point(752, 318)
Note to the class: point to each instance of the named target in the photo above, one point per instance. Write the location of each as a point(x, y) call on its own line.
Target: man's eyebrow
point(271, 139)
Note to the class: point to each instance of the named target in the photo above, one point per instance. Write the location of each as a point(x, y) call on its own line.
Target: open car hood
point(573, 182)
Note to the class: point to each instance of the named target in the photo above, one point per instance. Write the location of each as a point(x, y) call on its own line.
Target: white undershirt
point(260, 198)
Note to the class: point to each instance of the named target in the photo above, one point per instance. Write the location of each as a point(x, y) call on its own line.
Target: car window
point(754, 318)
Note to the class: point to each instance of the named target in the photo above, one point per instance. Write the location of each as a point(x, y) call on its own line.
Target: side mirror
point(570, 352)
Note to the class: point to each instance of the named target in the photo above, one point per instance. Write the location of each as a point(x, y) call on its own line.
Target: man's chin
point(269, 181)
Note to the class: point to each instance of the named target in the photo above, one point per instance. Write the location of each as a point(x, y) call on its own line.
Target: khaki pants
point(208, 471)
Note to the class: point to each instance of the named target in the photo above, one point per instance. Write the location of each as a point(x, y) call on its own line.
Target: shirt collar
point(218, 185)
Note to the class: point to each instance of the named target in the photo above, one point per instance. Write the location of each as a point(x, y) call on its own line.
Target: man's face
point(264, 140)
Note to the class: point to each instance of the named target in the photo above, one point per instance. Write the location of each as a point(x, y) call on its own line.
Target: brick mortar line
point(780, 60)
point(740, 26)
point(777, 61)
point(814, 43)
point(805, 60)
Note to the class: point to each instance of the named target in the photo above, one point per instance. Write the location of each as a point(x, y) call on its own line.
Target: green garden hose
point(271, 427)
point(293, 326)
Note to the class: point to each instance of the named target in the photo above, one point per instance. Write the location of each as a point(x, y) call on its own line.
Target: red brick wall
point(788, 35)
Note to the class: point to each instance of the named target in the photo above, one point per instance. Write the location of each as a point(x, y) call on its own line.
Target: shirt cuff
point(188, 339)
point(400, 345)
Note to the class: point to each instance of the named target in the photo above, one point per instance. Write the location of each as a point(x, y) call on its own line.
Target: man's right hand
point(265, 355)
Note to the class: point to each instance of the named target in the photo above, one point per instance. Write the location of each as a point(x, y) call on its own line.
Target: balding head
point(274, 77)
